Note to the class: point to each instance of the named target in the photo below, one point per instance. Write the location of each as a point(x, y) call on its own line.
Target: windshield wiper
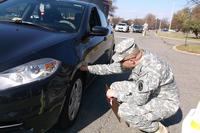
point(20, 21)
point(36, 25)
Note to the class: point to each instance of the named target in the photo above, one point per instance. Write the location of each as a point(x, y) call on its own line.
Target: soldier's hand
point(110, 94)
point(111, 101)
point(84, 68)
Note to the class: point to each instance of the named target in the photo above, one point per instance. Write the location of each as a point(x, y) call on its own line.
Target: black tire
point(112, 52)
point(69, 112)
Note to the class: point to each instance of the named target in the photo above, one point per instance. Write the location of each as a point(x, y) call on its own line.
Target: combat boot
point(162, 129)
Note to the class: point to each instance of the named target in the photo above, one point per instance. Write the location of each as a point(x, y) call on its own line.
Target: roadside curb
point(177, 39)
point(184, 52)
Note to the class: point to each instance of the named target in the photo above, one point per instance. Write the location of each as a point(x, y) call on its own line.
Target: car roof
point(76, 2)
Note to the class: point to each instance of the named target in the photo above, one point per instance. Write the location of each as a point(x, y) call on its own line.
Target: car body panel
point(36, 106)
point(31, 45)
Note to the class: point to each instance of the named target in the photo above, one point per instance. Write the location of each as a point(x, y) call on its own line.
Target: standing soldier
point(145, 28)
point(149, 94)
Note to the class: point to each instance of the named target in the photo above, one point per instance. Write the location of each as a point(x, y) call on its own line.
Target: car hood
point(18, 41)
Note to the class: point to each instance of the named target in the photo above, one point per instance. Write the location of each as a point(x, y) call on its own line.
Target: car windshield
point(122, 24)
point(137, 26)
point(55, 14)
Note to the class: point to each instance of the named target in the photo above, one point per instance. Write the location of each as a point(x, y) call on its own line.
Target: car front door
point(97, 44)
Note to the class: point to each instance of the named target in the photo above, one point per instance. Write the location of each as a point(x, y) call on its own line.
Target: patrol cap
point(124, 49)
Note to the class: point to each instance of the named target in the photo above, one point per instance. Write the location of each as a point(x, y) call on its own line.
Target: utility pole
point(172, 14)
point(160, 25)
point(156, 23)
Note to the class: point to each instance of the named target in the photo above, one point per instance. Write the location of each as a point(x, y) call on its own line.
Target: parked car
point(43, 44)
point(122, 27)
point(137, 28)
point(165, 29)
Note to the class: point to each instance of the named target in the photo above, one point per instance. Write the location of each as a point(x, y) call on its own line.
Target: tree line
point(187, 19)
point(151, 19)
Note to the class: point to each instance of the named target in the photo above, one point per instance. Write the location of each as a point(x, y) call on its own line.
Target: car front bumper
point(34, 107)
point(139, 31)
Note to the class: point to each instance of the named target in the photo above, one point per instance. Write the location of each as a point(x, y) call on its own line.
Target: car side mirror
point(99, 31)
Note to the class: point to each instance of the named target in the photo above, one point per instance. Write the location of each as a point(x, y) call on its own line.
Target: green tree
point(195, 20)
point(187, 20)
point(195, 27)
point(179, 19)
point(196, 12)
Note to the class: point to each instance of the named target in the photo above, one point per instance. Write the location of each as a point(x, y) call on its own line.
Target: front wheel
point(72, 103)
point(111, 53)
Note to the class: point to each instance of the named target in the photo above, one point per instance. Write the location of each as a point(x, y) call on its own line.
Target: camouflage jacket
point(151, 85)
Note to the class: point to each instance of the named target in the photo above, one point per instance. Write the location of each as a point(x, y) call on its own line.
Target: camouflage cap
point(124, 49)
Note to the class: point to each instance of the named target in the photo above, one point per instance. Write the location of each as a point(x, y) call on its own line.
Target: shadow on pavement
point(94, 103)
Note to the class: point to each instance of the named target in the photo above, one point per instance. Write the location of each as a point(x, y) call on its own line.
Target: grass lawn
point(178, 35)
point(189, 48)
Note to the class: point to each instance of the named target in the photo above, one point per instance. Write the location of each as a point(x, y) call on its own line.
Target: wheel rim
point(75, 99)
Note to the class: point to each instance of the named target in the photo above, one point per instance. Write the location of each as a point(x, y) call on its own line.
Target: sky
point(131, 9)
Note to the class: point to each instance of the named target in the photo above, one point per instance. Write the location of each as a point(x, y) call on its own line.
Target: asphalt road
point(95, 115)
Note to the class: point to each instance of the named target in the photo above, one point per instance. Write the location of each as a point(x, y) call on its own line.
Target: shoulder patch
point(140, 85)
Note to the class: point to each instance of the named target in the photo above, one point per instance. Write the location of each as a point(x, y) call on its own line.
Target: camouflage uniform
point(149, 95)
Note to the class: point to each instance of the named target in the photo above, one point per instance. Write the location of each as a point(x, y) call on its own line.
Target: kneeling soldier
point(149, 94)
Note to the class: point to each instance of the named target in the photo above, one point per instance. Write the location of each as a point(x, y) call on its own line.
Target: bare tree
point(151, 20)
point(112, 8)
point(139, 21)
point(116, 20)
point(129, 21)
point(165, 23)
point(194, 1)
point(105, 5)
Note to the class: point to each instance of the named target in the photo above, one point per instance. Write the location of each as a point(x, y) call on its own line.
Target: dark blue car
point(42, 45)
point(137, 28)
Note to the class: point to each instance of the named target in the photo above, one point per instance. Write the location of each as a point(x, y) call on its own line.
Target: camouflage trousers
point(136, 116)
point(134, 120)
point(143, 115)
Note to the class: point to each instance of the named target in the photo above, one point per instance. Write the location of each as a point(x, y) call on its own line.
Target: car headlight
point(29, 72)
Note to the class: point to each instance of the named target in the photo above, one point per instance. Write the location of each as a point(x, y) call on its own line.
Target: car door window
point(104, 22)
point(94, 19)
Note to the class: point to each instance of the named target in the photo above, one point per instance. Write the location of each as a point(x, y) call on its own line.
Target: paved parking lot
point(95, 115)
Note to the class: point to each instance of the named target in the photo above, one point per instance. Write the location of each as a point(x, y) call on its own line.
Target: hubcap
point(75, 99)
